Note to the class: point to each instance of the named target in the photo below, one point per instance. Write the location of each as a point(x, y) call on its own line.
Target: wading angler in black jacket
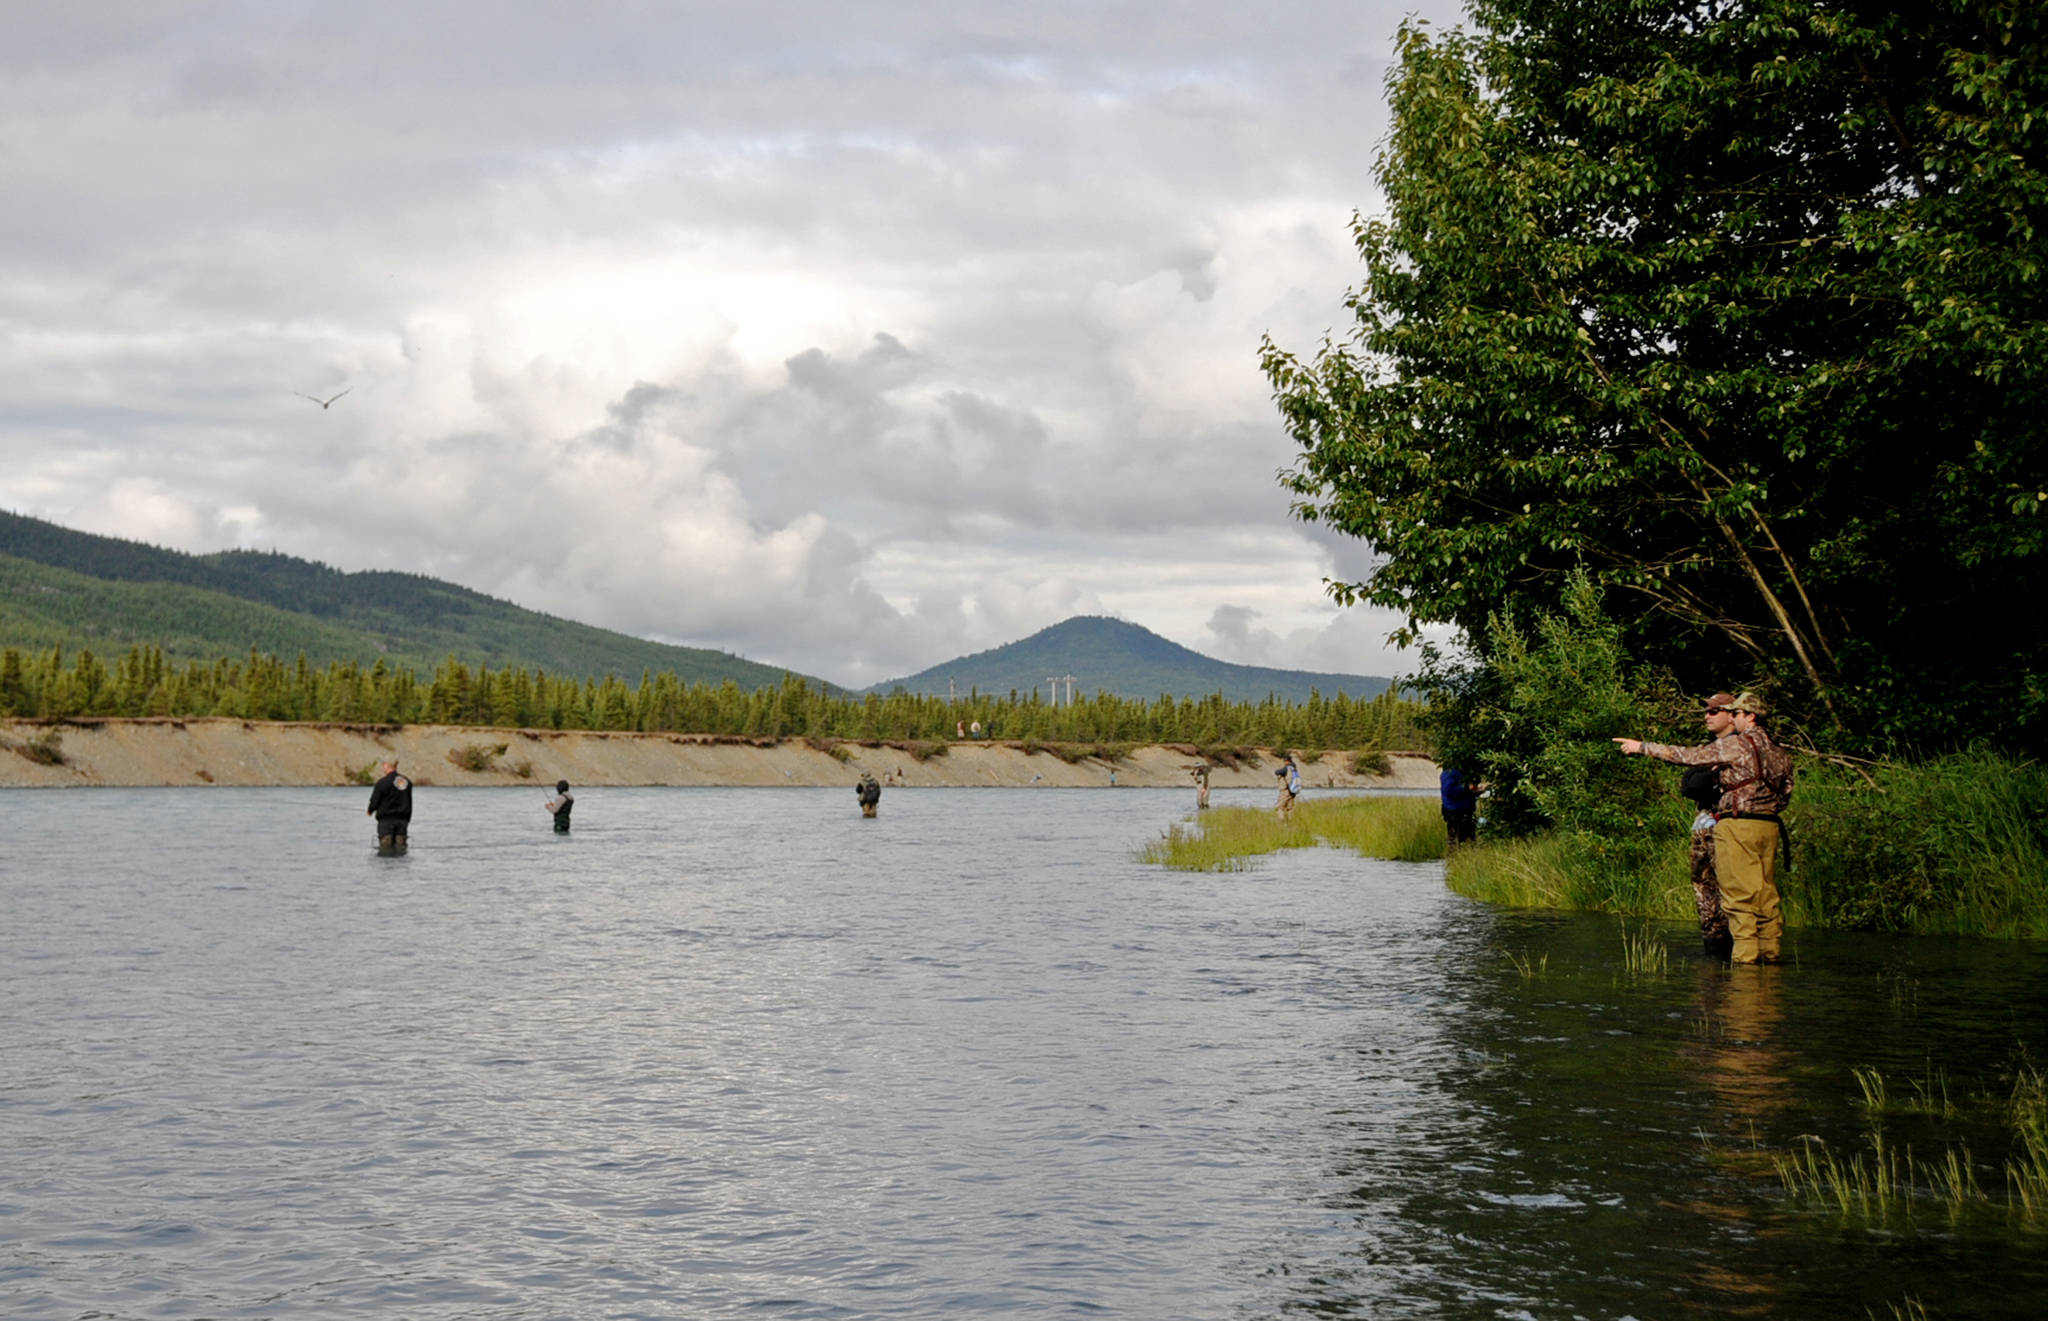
point(391, 804)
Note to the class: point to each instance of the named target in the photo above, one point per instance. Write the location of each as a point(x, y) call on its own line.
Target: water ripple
point(741, 1054)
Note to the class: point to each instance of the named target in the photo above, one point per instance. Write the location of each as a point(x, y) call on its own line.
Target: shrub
point(45, 749)
point(1371, 761)
point(477, 756)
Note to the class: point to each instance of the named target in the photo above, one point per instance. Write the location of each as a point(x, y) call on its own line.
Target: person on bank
point(1290, 788)
point(1756, 783)
point(1201, 776)
point(1701, 786)
point(1459, 803)
point(391, 804)
point(561, 805)
point(868, 793)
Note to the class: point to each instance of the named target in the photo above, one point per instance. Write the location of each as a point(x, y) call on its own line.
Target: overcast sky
point(850, 337)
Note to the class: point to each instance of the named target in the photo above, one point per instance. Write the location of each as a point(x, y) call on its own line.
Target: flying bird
point(324, 402)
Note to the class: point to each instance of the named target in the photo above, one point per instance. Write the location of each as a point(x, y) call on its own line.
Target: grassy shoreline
point(1956, 845)
point(1229, 838)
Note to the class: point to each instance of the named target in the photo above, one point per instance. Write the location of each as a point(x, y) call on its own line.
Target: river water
point(739, 1053)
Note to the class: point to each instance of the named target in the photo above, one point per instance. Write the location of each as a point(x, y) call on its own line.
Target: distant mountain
point(1110, 655)
point(59, 586)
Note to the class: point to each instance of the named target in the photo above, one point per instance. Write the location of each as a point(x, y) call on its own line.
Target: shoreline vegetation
point(1950, 846)
point(1953, 845)
point(164, 751)
point(1226, 839)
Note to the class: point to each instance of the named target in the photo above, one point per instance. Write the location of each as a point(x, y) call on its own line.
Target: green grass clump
point(1566, 871)
point(2026, 1173)
point(1398, 829)
point(1227, 838)
point(1866, 1187)
point(1956, 845)
point(1883, 1185)
point(1642, 953)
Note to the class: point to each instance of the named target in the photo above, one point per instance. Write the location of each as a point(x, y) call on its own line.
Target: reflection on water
point(1603, 1144)
point(739, 1052)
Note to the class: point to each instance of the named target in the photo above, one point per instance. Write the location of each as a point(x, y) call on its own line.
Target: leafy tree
point(1738, 305)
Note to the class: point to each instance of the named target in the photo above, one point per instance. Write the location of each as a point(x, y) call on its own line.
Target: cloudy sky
point(848, 337)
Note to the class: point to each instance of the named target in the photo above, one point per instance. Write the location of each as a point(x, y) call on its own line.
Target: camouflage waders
point(1706, 895)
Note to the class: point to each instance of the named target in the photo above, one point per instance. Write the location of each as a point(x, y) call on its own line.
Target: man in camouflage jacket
point(1756, 783)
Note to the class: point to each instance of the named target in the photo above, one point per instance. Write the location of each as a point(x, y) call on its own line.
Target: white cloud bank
point(850, 338)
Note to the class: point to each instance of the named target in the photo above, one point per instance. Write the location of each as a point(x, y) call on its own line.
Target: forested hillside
point(1112, 656)
point(78, 590)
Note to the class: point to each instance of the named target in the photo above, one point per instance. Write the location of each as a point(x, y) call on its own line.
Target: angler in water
point(391, 804)
point(1755, 782)
point(868, 792)
point(560, 806)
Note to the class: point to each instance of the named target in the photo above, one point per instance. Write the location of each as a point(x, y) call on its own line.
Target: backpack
point(1701, 786)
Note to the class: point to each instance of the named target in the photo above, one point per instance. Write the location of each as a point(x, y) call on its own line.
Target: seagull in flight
point(324, 402)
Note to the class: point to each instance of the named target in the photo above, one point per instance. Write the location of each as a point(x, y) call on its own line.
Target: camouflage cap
point(1749, 702)
point(1720, 701)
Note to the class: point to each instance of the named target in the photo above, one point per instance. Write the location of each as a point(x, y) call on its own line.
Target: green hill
point(1109, 655)
point(75, 589)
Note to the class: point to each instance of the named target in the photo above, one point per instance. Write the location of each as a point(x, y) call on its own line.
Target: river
point(740, 1053)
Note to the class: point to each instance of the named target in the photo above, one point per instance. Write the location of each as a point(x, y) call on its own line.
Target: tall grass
point(1882, 1185)
point(1957, 845)
point(1571, 871)
point(2026, 1174)
point(1228, 838)
point(1643, 954)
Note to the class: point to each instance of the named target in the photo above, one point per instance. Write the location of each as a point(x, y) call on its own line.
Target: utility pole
point(1052, 684)
point(1070, 688)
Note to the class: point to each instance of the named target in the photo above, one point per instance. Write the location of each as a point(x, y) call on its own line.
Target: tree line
point(142, 682)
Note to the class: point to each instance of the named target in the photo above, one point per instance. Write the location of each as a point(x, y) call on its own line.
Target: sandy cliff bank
point(235, 752)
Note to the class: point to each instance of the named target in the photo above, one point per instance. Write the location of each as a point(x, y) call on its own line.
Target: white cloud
point(848, 339)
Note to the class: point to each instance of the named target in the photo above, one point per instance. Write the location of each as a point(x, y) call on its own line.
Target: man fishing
point(561, 805)
point(391, 804)
point(1289, 776)
point(868, 792)
point(1702, 788)
point(1756, 783)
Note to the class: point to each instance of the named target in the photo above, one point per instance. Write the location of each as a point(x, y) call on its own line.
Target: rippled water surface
point(727, 1053)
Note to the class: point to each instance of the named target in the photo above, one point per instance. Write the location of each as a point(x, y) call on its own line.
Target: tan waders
point(1746, 863)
